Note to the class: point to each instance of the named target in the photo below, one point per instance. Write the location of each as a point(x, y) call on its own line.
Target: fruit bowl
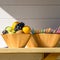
point(47, 40)
point(16, 40)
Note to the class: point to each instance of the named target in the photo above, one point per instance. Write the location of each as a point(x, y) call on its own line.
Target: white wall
point(36, 16)
point(36, 2)
point(36, 13)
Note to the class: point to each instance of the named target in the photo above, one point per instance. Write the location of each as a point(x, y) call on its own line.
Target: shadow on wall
point(30, 17)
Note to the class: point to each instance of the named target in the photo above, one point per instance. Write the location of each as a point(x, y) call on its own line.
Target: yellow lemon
point(14, 24)
point(26, 29)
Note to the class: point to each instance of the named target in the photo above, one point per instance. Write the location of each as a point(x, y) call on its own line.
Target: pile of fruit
point(21, 27)
point(17, 27)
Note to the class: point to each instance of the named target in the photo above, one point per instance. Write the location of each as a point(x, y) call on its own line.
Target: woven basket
point(47, 40)
point(16, 40)
point(32, 42)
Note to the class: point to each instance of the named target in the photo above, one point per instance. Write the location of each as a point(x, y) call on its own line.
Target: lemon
point(14, 24)
point(26, 29)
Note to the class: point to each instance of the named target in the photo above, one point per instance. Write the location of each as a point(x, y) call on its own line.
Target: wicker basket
point(32, 42)
point(16, 40)
point(47, 40)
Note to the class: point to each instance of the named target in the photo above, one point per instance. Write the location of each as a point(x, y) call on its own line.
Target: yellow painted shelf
point(29, 50)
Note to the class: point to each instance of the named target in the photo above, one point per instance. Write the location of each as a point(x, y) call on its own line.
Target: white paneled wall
point(35, 16)
point(33, 11)
point(33, 2)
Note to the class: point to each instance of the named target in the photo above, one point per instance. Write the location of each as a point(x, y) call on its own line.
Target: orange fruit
point(26, 29)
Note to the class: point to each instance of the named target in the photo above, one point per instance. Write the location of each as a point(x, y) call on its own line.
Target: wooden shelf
point(30, 50)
